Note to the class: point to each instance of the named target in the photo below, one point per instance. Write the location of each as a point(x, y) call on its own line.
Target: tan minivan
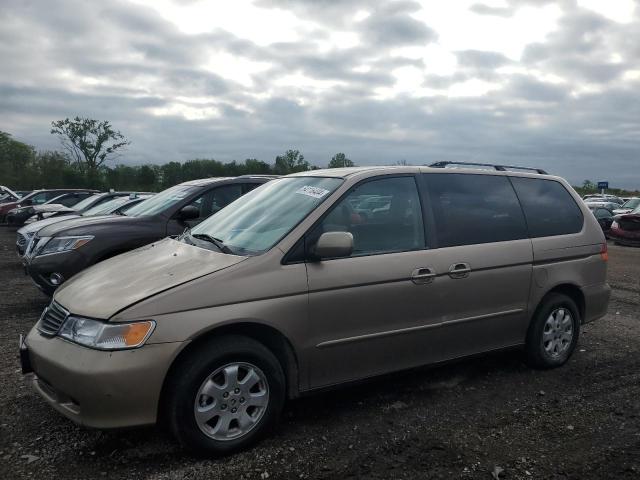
point(314, 280)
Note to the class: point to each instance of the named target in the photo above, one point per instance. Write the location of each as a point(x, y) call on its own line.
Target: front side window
point(474, 209)
point(383, 215)
point(548, 206)
point(258, 220)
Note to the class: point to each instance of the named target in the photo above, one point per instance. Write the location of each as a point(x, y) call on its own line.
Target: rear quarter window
point(473, 209)
point(548, 207)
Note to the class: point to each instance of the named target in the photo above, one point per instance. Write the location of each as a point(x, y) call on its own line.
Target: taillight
point(604, 251)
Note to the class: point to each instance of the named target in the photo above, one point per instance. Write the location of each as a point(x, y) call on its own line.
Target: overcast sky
point(553, 84)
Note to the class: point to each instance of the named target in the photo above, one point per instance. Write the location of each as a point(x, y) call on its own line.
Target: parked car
point(37, 197)
point(608, 205)
point(8, 195)
point(19, 215)
point(114, 205)
point(603, 197)
point(604, 216)
point(286, 291)
point(625, 229)
point(46, 211)
point(59, 251)
point(628, 206)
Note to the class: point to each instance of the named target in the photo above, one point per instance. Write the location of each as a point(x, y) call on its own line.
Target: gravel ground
point(483, 418)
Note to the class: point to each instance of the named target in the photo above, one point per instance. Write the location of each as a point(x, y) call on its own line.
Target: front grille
point(52, 319)
point(31, 246)
point(21, 241)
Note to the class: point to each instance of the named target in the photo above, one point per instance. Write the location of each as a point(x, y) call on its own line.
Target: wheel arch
point(572, 291)
point(267, 335)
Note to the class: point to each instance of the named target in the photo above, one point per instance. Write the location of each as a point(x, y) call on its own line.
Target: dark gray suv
point(59, 251)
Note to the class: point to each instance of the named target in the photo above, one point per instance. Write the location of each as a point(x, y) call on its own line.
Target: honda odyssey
point(318, 279)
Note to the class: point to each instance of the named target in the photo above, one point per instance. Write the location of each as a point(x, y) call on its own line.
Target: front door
point(370, 313)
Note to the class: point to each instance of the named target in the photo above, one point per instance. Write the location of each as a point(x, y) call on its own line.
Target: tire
point(549, 343)
point(225, 432)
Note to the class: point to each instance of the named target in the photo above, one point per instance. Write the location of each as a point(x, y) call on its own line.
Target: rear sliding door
point(483, 262)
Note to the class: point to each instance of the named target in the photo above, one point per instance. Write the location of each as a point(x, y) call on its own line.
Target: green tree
point(90, 143)
point(170, 174)
point(17, 162)
point(589, 185)
point(290, 162)
point(146, 177)
point(54, 169)
point(340, 160)
point(255, 166)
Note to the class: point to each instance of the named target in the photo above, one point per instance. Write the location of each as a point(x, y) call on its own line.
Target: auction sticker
point(315, 192)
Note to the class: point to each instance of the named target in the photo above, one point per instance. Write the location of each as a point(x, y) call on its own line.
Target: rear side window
point(549, 208)
point(472, 209)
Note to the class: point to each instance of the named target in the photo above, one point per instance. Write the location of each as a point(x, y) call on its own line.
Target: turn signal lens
point(136, 333)
point(604, 252)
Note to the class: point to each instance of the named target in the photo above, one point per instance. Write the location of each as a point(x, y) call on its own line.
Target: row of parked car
point(209, 304)
point(618, 217)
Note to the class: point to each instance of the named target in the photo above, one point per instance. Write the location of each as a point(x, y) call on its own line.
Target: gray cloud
point(566, 105)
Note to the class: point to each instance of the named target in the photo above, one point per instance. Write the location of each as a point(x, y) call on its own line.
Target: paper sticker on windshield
point(315, 192)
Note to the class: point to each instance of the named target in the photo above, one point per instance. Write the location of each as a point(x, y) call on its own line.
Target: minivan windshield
point(257, 221)
point(161, 201)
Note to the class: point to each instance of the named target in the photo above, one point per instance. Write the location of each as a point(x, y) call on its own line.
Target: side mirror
point(188, 213)
point(334, 245)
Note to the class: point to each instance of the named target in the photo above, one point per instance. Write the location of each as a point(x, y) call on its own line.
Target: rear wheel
point(553, 333)
point(225, 395)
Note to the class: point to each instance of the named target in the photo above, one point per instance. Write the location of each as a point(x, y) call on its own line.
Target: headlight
point(63, 244)
point(106, 336)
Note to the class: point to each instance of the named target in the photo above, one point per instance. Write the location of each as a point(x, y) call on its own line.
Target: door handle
point(420, 276)
point(459, 270)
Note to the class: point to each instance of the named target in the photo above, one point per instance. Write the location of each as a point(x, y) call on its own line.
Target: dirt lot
point(465, 420)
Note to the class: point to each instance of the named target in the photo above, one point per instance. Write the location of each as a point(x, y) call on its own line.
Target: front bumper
point(66, 264)
point(97, 388)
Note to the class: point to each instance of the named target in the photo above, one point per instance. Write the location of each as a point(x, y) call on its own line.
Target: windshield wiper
point(216, 241)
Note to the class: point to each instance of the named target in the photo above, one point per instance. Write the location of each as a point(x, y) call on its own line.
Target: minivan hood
point(114, 284)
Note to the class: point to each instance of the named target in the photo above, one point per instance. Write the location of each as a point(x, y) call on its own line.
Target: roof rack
point(500, 168)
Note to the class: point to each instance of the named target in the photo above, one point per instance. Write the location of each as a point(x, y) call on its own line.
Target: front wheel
point(225, 395)
point(553, 333)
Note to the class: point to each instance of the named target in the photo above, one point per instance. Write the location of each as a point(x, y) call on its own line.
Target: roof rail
point(500, 168)
point(258, 175)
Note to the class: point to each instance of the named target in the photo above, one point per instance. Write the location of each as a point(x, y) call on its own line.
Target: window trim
point(286, 260)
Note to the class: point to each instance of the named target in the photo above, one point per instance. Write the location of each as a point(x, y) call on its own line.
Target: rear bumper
point(96, 388)
point(596, 301)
